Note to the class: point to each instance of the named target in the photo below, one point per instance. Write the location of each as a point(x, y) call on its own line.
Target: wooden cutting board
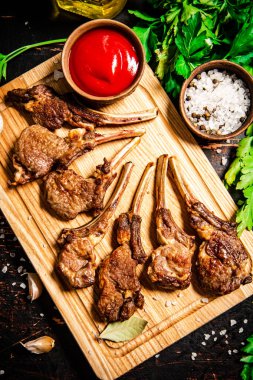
point(37, 230)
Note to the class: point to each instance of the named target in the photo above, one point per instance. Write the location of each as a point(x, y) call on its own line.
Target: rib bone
point(77, 260)
point(171, 262)
point(223, 264)
point(68, 193)
point(120, 289)
point(38, 151)
point(52, 111)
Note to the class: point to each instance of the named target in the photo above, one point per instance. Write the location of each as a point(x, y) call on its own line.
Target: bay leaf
point(123, 331)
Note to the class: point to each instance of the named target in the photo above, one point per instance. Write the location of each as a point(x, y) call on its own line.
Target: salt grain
point(207, 336)
point(198, 319)
point(240, 330)
point(223, 332)
point(2, 372)
point(20, 269)
point(13, 284)
point(215, 338)
point(226, 341)
point(41, 314)
point(218, 151)
point(235, 351)
point(12, 254)
point(173, 303)
point(167, 303)
point(157, 356)
point(58, 75)
point(22, 285)
point(22, 259)
point(2, 236)
point(224, 161)
point(233, 322)
point(245, 321)
point(229, 352)
point(203, 343)
point(4, 269)
point(180, 295)
point(204, 300)
point(213, 332)
point(218, 103)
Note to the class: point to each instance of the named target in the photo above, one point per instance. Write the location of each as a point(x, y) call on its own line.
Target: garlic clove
point(35, 286)
point(40, 345)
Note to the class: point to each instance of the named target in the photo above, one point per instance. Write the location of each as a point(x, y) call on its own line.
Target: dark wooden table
point(218, 356)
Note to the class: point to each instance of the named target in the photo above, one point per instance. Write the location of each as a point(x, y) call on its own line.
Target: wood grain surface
point(25, 210)
point(218, 356)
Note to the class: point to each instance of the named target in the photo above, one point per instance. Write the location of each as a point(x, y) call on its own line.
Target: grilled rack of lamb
point(120, 289)
point(38, 151)
point(223, 264)
point(69, 194)
point(77, 260)
point(172, 261)
point(52, 111)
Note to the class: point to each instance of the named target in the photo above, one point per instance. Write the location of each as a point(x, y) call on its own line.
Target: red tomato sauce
point(103, 62)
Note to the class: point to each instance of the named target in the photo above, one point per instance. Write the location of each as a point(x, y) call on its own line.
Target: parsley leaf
point(240, 175)
point(187, 33)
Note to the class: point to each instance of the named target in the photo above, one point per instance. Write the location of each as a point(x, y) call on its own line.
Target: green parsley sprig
point(187, 33)
point(247, 372)
point(240, 176)
point(4, 59)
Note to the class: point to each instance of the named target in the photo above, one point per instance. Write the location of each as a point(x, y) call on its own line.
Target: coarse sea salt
point(217, 102)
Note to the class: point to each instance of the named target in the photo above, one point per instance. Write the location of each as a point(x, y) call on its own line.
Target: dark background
point(26, 22)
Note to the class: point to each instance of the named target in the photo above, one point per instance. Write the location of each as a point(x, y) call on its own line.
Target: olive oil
point(93, 8)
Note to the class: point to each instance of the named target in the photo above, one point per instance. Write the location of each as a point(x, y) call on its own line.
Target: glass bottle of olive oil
point(93, 8)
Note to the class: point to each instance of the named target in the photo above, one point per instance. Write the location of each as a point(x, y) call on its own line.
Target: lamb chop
point(120, 289)
point(68, 193)
point(52, 111)
point(37, 151)
point(77, 260)
point(223, 264)
point(172, 261)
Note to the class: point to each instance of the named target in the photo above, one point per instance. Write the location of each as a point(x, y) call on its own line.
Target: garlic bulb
point(40, 345)
point(35, 286)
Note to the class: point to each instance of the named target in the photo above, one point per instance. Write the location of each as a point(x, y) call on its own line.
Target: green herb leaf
point(248, 348)
point(249, 131)
point(244, 216)
point(199, 30)
point(247, 359)
point(233, 171)
point(243, 42)
point(245, 147)
point(142, 15)
point(182, 67)
point(247, 372)
point(6, 58)
point(122, 331)
point(246, 179)
point(143, 34)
